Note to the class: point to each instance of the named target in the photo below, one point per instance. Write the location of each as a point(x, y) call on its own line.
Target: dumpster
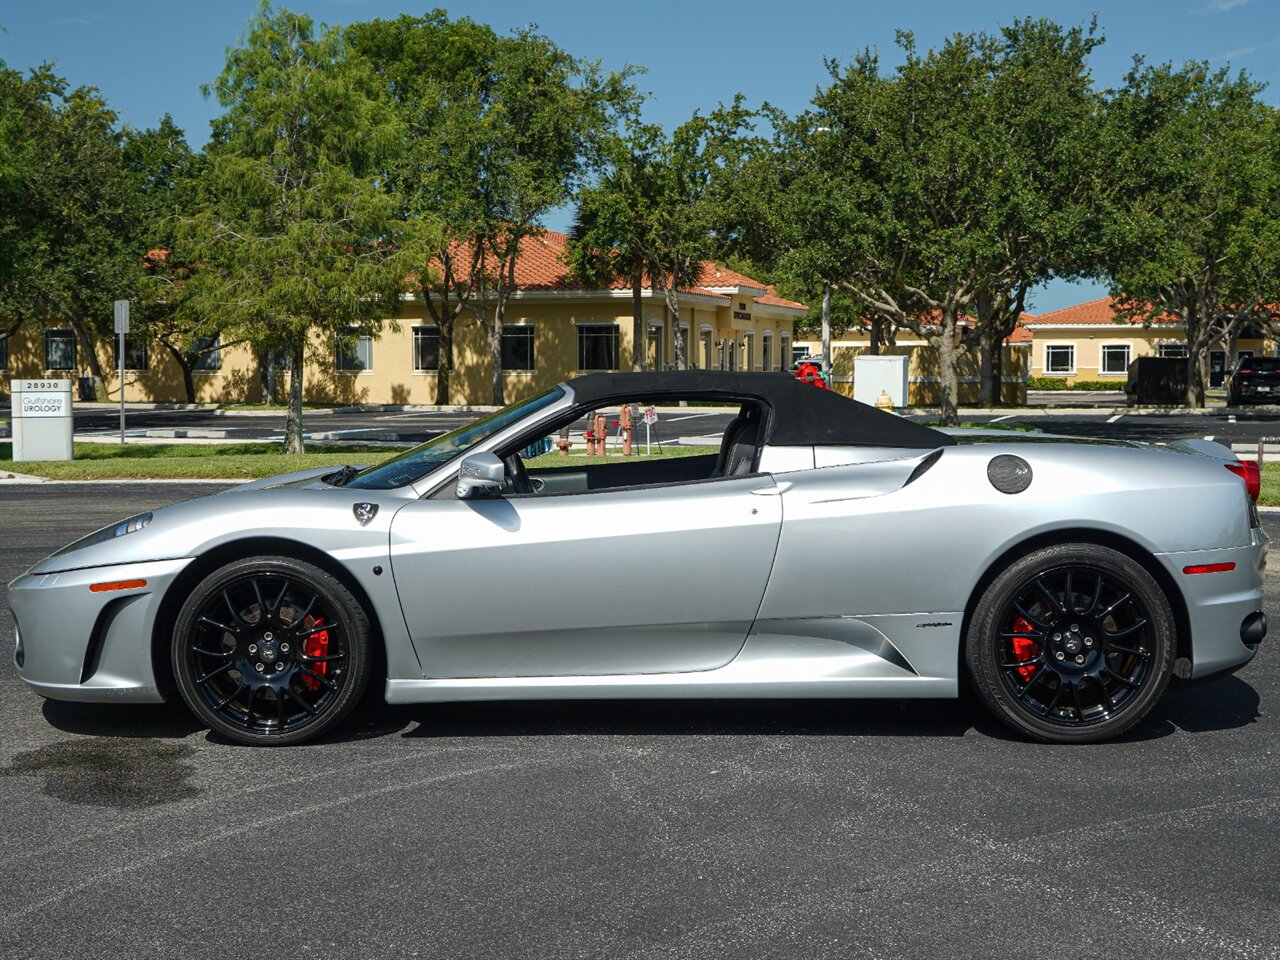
point(1158, 381)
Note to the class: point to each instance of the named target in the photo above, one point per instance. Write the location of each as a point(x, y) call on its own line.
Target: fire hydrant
point(564, 443)
point(600, 433)
point(624, 424)
point(884, 401)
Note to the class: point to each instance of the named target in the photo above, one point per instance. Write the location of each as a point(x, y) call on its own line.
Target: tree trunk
point(673, 310)
point(997, 375)
point(988, 390)
point(948, 387)
point(444, 361)
point(639, 345)
point(877, 333)
point(95, 367)
point(495, 350)
point(186, 366)
point(264, 376)
point(293, 442)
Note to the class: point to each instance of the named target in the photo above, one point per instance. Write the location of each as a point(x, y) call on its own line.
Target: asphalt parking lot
point(709, 830)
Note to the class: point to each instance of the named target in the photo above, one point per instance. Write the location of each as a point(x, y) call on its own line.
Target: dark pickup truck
point(1255, 380)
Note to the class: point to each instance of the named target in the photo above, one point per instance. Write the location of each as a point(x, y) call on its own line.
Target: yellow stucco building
point(1089, 342)
point(554, 330)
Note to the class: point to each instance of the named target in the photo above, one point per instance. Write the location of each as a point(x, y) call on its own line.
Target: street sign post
point(122, 327)
point(650, 418)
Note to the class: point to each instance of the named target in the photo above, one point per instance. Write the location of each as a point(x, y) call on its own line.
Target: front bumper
point(1219, 603)
point(76, 644)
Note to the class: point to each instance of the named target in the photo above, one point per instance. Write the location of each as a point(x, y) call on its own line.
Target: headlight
point(131, 525)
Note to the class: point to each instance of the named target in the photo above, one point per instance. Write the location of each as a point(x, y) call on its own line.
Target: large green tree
point(439, 75)
point(65, 251)
point(1042, 209)
point(937, 194)
point(1193, 151)
point(300, 246)
point(548, 118)
point(165, 179)
point(608, 240)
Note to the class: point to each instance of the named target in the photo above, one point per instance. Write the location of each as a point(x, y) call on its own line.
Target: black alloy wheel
point(271, 651)
point(1072, 644)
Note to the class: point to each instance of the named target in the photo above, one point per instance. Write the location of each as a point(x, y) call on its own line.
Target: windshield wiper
point(342, 476)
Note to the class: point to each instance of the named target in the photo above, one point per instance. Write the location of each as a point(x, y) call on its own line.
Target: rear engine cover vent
point(1009, 474)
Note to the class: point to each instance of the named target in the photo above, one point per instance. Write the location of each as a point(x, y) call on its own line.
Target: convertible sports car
point(828, 550)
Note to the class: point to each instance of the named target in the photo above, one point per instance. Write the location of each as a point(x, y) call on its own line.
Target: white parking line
point(692, 416)
point(1209, 437)
point(1007, 416)
point(1115, 418)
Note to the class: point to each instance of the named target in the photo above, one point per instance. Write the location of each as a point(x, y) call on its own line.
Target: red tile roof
point(1100, 311)
point(541, 266)
point(1020, 333)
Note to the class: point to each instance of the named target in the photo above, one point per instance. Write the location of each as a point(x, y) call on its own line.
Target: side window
point(614, 448)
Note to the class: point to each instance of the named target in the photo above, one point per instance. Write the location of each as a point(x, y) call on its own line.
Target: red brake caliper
point(316, 645)
point(1024, 648)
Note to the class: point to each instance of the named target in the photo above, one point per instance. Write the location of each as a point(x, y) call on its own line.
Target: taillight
point(1247, 470)
point(1245, 370)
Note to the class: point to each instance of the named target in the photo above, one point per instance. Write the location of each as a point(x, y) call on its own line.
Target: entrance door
point(661, 579)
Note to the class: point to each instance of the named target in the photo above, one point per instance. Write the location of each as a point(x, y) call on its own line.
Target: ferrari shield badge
point(365, 512)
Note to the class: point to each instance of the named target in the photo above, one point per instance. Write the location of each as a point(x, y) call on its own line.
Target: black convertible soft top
point(800, 414)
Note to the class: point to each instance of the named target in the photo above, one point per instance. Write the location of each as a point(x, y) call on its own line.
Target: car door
point(658, 579)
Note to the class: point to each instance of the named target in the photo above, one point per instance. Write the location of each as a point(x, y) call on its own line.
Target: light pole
point(826, 332)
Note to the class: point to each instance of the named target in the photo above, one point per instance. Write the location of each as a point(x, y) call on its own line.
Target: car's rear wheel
point(271, 651)
point(1071, 644)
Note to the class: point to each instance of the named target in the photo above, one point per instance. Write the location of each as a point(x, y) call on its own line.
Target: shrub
point(1046, 383)
point(1060, 383)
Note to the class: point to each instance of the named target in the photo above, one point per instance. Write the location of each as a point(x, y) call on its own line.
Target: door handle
point(773, 490)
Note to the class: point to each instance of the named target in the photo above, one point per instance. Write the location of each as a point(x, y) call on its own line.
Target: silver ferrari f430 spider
point(828, 549)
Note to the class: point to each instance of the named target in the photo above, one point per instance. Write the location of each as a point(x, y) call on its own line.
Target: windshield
point(1259, 363)
point(417, 463)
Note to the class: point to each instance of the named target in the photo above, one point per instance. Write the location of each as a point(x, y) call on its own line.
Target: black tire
point(271, 651)
point(1071, 644)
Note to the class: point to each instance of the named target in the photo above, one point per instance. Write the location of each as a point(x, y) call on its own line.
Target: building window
point(59, 350)
point(209, 354)
point(355, 353)
point(135, 353)
point(1060, 358)
point(4, 354)
point(1115, 358)
point(598, 346)
point(426, 348)
point(517, 347)
point(704, 343)
point(1171, 350)
point(766, 352)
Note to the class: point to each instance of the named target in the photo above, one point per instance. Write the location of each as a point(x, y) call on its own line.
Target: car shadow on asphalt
point(1221, 704)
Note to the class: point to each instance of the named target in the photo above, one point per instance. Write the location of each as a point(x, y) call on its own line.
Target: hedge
point(1060, 383)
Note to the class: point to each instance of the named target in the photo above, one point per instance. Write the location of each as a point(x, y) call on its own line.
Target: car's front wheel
point(271, 651)
point(1072, 643)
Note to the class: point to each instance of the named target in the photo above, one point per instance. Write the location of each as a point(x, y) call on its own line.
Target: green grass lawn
point(1270, 496)
point(188, 461)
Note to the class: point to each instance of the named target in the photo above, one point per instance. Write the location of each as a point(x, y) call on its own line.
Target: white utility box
point(42, 419)
point(873, 374)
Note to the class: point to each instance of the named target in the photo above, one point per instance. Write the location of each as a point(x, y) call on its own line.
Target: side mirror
point(480, 474)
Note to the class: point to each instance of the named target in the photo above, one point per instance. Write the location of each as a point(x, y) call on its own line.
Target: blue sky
point(150, 57)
